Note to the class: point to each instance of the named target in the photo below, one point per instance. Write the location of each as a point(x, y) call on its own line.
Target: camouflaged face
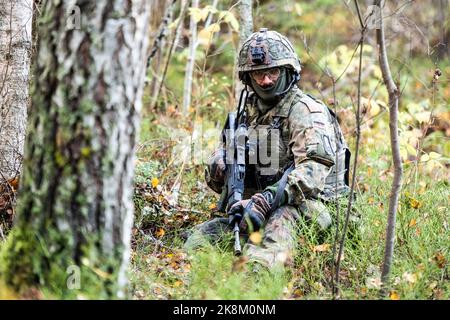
point(267, 49)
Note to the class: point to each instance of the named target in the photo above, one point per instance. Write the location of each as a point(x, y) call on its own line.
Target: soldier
point(308, 144)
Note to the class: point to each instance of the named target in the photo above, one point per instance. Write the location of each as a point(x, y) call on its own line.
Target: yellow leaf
point(101, 273)
point(212, 206)
point(177, 283)
point(424, 158)
point(298, 9)
point(416, 204)
point(256, 237)
point(155, 182)
point(196, 14)
point(434, 155)
point(297, 293)
point(377, 73)
point(160, 233)
point(394, 295)
point(412, 223)
point(232, 21)
point(411, 150)
point(205, 35)
point(322, 247)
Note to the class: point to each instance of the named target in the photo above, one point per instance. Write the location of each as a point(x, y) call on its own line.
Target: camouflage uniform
point(308, 135)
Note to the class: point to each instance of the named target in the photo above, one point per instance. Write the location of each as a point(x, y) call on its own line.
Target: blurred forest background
point(182, 116)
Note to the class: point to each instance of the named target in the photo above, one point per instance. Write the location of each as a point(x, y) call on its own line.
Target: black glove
point(251, 212)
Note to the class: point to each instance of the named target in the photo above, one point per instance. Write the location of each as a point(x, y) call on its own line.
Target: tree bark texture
point(245, 30)
point(189, 75)
point(393, 127)
point(76, 205)
point(15, 53)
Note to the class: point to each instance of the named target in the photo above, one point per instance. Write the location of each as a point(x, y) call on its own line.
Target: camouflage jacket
point(299, 129)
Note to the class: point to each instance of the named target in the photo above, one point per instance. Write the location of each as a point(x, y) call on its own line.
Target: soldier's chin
point(267, 88)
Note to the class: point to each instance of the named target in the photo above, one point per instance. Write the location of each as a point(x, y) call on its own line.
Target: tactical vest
point(256, 182)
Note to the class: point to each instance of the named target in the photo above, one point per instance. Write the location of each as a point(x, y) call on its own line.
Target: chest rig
point(259, 175)
point(269, 153)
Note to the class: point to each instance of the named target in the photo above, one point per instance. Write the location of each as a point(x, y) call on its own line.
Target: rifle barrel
point(237, 243)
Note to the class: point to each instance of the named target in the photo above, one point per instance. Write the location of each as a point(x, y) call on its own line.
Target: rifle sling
point(281, 185)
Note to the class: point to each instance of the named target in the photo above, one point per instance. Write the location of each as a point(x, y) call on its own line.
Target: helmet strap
point(295, 79)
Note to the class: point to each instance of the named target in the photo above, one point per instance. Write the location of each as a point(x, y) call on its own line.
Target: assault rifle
point(234, 138)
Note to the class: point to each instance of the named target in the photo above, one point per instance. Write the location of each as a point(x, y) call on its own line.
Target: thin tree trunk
point(363, 29)
point(157, 49)
point(75, 209)
point(15, 59)
point(245, 30)
point(15, 52)
point(393, 127)
point(159, 80)
point(188, 77)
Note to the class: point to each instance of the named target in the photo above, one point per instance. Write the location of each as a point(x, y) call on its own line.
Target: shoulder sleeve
point(311, 141)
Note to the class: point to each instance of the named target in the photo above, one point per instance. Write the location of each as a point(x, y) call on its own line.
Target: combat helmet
point(267, 49)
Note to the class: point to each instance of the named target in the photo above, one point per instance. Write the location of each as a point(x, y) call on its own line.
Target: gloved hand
point(251, 211)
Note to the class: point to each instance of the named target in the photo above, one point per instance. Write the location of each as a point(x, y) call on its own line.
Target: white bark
point(15, 53)
point(245, 30)
point(188, 77)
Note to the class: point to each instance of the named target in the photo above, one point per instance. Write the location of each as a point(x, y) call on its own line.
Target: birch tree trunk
point(393, 128)
point(75, 208)
point(15, 53)
point(188, 77)
point(245, 30)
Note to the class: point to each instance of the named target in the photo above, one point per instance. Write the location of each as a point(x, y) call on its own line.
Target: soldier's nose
point(266, 80)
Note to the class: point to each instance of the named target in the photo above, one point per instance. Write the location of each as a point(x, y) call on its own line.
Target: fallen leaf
point(440, 260)
point(433, 285)
point(394, 295)
point(322, 247)
point(160, 233)
point(409, 277)
point(412, 223)
point(298, 293)
point(212, 206)
point(155, 182)
point(177, 284)
point(255, 237)
point(416, 204)
point(101, 273)
point(373, 283)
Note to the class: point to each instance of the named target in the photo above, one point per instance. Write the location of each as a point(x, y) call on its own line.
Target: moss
point(27, 261)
